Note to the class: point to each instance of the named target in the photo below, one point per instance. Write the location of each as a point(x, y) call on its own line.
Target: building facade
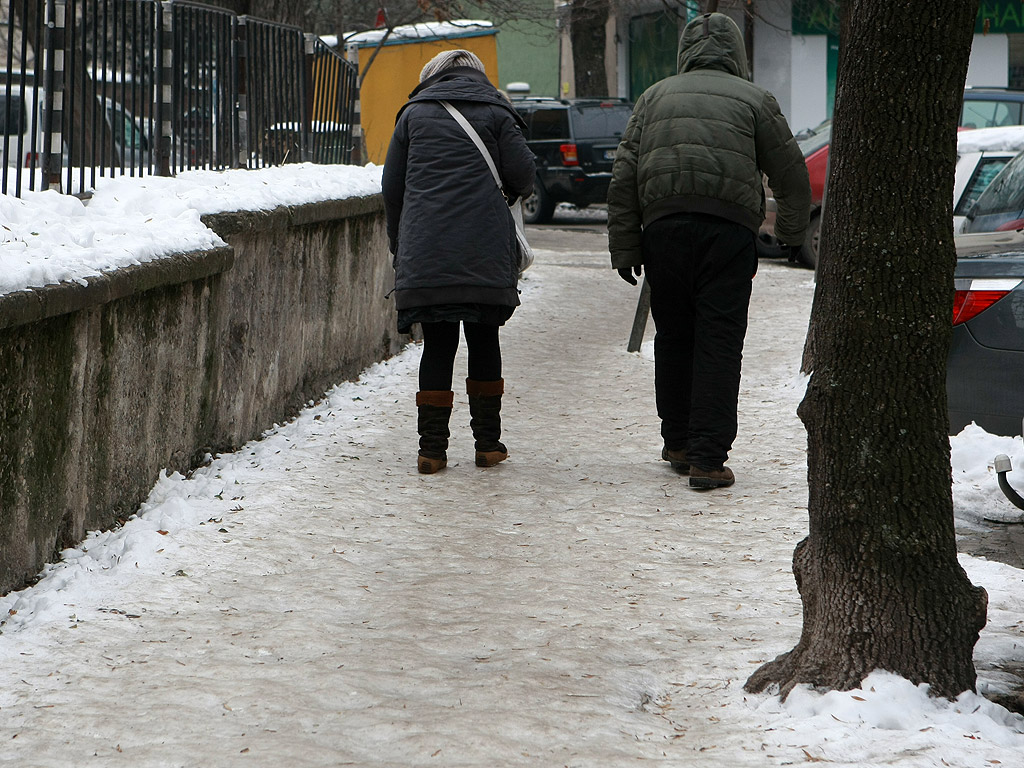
point(793, 48)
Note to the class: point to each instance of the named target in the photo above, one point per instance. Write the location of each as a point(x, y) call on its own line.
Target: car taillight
point(981, 295)
point(569, 154)
point(1011, 226)
point(31, 159)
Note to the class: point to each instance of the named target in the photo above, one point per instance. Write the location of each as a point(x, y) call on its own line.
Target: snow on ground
point(310, 600)
point(48, 238)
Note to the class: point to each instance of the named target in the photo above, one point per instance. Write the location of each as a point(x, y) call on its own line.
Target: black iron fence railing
point(204, 87)
point(22, 94)
point(333, 113)
point(100, 88)
point(275, 98)
point(106, 111)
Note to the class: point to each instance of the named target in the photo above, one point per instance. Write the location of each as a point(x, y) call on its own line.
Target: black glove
point(794, 253)
point(624, 273)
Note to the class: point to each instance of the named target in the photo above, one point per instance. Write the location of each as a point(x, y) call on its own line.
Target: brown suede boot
point(434, 411)
point(485, 420)
point(711, 478)
point(677, 459)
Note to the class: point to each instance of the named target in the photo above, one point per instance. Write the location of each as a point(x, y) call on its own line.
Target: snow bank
point(48, 238)
point(1009, 138)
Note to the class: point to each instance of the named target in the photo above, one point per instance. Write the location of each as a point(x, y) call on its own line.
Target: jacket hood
point(460, 84)
point(712, 41)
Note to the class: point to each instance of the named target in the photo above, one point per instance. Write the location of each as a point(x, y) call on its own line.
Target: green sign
point(821, 17)
point(1000, 17)
point(815, 17)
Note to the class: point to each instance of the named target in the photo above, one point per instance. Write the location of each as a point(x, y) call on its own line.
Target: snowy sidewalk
point(312, 601)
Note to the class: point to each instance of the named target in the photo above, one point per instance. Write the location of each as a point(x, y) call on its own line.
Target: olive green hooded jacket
point(698, 142)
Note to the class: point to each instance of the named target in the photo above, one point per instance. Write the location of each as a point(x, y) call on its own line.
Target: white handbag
point(525, 251)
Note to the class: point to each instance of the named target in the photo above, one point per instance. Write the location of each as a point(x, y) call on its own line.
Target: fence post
point(240, 44)
point(53, 99)
point(308, 94)
point(352, 56)
point(165, 65)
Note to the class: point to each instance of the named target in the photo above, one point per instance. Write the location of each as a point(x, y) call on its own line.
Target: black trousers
point(441, 342)
point(699, 268)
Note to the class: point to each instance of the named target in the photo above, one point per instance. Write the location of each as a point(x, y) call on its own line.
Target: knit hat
point(447, 60)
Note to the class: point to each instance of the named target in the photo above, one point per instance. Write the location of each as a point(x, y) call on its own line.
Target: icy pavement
point(312, 601)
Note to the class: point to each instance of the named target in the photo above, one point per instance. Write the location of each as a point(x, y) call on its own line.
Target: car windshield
point(1006, 192)
point(987, 170)
point(814, 139)
point(600, 122)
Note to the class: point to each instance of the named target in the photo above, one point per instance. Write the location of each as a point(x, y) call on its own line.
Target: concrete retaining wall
point(152, 367)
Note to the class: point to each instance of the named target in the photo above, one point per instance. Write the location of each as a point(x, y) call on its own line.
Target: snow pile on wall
point(48, 238)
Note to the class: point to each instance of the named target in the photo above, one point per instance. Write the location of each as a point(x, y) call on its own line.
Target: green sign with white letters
point(821, 17)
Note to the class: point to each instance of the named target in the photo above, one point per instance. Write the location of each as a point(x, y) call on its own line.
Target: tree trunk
point(587, 30)
point(878, 573)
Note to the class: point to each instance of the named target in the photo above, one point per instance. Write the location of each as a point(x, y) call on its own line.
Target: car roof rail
point(572, 102)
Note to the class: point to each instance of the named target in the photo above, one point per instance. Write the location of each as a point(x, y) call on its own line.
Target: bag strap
point(461, 120)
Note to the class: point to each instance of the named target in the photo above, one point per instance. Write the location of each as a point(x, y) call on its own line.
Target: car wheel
point(538, 208)
point(812, 242)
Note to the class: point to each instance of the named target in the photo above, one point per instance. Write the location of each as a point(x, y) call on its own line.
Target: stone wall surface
point(147, 368)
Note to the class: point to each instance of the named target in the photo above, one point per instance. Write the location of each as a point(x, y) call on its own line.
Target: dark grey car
point(985, 370)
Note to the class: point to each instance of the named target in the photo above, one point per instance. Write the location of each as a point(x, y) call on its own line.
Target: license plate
point(609, 154)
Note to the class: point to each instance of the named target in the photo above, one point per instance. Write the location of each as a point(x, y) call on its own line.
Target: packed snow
point(311, 599)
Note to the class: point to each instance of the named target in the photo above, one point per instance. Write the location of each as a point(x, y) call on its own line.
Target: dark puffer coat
point(698, 142)
point(450, 229)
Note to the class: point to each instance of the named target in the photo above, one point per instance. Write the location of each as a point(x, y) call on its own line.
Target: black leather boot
point(485, 420)
point(434, 411)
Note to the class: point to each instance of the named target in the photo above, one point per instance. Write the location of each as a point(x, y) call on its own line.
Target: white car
point(981, 154)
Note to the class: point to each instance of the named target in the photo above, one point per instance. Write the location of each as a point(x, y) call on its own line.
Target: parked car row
point(985, 368)
point(997, 112)
point(21, 121)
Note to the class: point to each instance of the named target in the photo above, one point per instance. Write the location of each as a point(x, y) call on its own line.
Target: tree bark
point(587, 31)
point(878, 573)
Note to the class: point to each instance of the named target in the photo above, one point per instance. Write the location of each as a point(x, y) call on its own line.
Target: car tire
point(538, 208)
point(812, 242)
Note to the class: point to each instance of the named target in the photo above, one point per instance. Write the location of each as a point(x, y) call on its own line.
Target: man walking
point(686, 201)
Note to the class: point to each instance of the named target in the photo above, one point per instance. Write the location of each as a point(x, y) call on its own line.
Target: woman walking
point(454, 243)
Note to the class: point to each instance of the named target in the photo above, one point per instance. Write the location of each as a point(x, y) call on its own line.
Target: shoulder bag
point(525, 251)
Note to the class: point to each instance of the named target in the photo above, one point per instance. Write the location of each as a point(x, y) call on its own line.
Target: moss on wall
point(103, 386)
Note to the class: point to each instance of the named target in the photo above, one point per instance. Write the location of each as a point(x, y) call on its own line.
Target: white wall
point(809, 56)
point(772, 60)
point(990, 60)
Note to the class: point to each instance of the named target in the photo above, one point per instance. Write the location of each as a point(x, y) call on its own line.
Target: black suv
point(574, 141)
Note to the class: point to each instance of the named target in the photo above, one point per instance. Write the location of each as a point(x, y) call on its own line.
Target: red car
point(814, 144)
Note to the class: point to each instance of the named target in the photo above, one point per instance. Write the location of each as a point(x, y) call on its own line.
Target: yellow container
point(395, 72)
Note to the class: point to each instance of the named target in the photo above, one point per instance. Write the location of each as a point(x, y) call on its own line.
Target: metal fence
point(333, 112)
point(275, 105)
point(96, 88)
point(105, 107)
point(22, 96)
point(204, 87)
